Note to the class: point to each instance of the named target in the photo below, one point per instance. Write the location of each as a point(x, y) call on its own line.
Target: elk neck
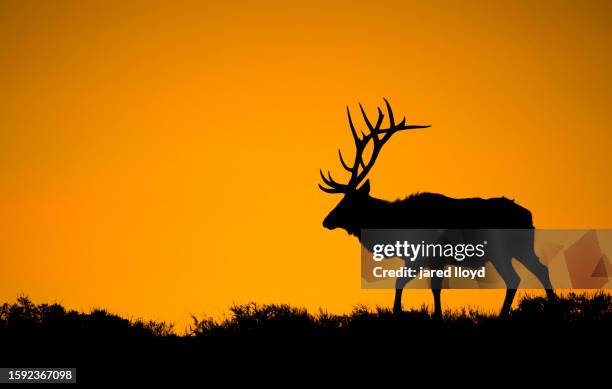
point(375, 212)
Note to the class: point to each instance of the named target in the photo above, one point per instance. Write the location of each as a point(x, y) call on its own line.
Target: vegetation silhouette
point(106, 348)
point(24, 319)
point(509, 225)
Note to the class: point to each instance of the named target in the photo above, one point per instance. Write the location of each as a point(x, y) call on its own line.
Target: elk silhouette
point(358, 211)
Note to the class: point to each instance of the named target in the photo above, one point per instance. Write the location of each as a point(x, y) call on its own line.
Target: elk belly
point(461, 272)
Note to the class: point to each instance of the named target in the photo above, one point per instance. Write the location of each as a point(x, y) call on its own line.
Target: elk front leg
point(400, 283)
point(436, 288)
point(505, 311)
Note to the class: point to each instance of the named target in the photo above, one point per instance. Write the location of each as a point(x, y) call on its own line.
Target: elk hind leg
point(512, 281)
point(533, 264)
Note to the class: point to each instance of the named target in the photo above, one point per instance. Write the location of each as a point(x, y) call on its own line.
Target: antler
point(378, 136)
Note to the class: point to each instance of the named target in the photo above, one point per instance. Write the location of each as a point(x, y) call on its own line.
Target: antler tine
point(328, 181)
point(353, 131)
point(329, 190)
point(390, 111)
point(403, 122)
point(359, 142)
point(379, 121)
point(365, 117)
point(344, 164)
point(374, 129)
point(359, 146)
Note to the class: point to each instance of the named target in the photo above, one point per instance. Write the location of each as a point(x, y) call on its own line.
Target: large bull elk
point(358, 211)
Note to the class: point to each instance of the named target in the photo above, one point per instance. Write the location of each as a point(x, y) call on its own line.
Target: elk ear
point(365, 188)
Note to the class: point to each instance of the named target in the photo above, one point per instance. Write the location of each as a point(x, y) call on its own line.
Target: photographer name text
point(423, 272)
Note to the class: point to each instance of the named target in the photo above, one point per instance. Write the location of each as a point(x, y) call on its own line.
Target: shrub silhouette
point(572, 309)
point(586, 310)
point(43, 334)
point(26, 318)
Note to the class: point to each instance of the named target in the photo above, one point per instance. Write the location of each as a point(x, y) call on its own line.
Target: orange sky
point(162, 159)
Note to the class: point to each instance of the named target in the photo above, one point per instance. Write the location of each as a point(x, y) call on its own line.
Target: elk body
point(358, 211)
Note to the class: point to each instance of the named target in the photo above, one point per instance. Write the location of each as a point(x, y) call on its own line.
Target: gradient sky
point(161, 159)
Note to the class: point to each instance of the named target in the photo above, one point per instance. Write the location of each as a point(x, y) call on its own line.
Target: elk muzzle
point(328, 222)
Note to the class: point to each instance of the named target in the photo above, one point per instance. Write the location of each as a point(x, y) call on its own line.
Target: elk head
point(348, 214)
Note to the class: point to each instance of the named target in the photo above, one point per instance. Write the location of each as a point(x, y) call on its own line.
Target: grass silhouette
point(49, 335)
point(24, 318)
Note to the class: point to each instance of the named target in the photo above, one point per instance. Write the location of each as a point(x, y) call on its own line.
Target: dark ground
point(568, 335)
